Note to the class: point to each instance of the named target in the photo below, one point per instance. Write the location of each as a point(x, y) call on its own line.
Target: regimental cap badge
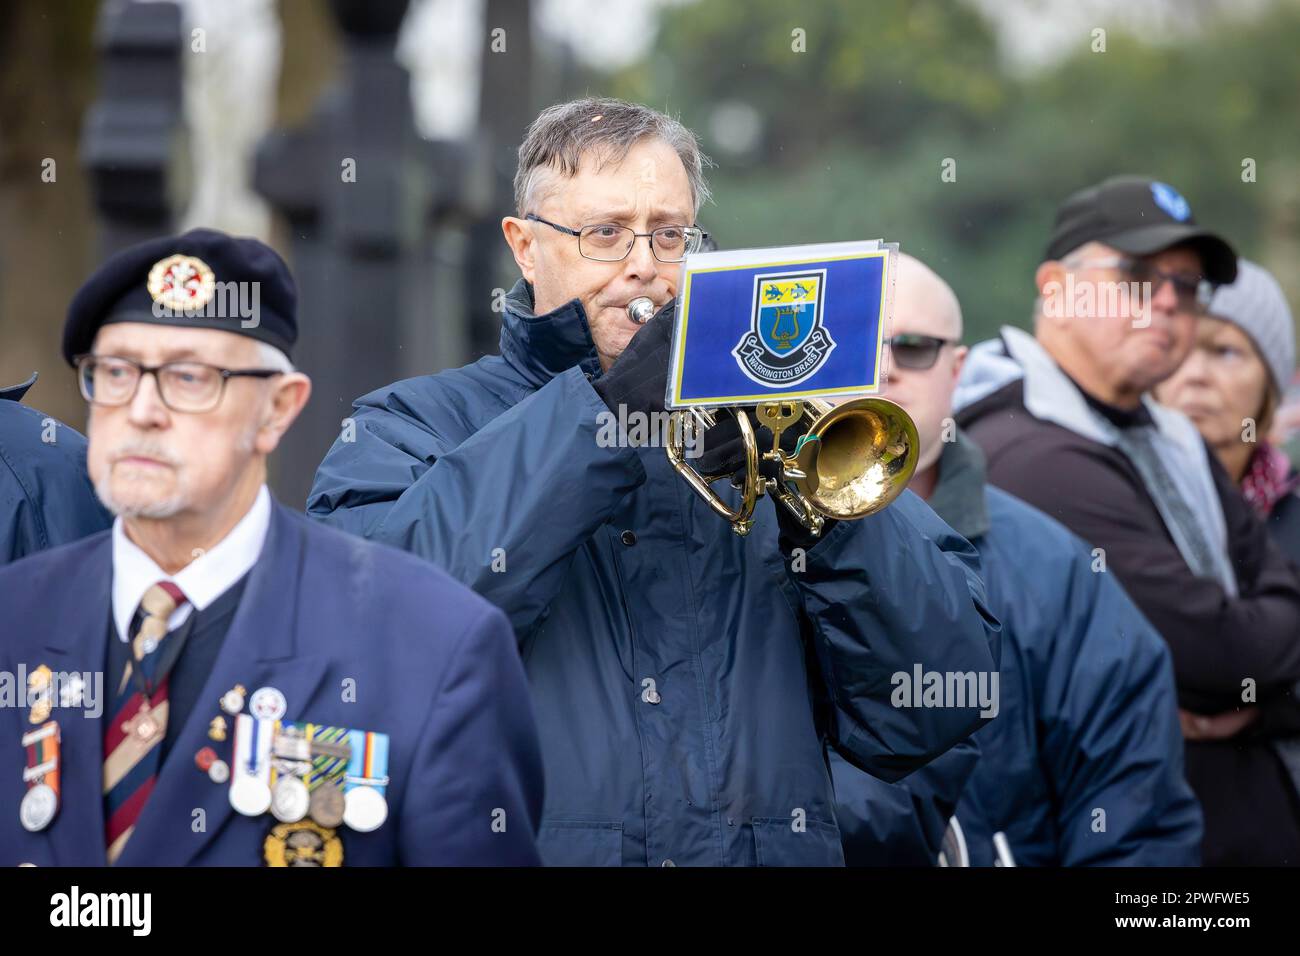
point(182, 283)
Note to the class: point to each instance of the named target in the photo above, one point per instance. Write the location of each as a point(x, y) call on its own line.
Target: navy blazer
point(354, 634)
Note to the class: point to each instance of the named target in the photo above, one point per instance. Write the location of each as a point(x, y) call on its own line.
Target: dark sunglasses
point(918, 352)
point(1193, 292)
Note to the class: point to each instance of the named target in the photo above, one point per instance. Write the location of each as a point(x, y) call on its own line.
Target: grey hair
point(268, 356)
point(563, 134)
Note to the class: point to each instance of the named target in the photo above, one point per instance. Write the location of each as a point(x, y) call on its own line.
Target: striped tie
point(139, 721)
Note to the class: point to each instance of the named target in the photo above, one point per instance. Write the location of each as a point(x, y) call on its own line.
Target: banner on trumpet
point(789, 322)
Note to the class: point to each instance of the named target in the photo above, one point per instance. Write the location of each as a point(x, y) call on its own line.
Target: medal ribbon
point(369, 764)
point(326, 768)
point(42, 746)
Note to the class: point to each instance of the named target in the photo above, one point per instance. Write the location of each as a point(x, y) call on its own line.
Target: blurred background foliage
point(847, 140)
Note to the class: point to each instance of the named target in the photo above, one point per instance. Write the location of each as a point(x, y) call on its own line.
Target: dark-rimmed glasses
point(190, 387)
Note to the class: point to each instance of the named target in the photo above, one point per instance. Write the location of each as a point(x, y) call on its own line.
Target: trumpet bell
point(851, 460)
point(856, 457)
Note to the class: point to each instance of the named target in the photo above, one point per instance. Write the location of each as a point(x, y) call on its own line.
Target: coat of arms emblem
point(786, 342)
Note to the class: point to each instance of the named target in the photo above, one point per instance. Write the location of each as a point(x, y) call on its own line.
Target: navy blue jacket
point(434, 666)
point(1084, 763)
point(684, 677)
point(46, 498)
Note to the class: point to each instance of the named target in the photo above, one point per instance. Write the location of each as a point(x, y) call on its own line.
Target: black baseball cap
point(1139, 217)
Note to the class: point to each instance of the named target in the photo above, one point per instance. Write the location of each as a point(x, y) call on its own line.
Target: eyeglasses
point(610, 242)
point(1193, 292)
point(918, 352)
point(190, 387)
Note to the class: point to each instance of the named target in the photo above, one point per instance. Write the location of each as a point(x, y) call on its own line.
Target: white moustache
point(146, 450)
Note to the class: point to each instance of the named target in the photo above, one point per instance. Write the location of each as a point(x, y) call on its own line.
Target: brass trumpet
point(850, 460)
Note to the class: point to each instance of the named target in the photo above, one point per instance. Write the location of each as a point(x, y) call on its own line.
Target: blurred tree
point(849, 138)
point(47, 68)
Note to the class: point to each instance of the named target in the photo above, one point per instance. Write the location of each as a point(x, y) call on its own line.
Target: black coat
point(1252, 813)
point(1284, 525)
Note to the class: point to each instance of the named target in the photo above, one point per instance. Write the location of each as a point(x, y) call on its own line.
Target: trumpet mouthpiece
point(641, 310)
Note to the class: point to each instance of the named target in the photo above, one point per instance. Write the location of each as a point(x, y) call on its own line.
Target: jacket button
point(667, 863)
point(628, 538)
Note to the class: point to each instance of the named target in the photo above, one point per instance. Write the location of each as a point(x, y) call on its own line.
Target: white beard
point(174, 503)
point(166, 508)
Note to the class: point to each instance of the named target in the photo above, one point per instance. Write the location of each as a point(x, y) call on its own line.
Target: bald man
point(1084, 763)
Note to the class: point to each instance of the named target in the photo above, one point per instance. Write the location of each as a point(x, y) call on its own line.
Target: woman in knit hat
point(1231, 386)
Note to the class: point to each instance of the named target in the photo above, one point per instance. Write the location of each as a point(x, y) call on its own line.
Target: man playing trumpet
point(683, 677)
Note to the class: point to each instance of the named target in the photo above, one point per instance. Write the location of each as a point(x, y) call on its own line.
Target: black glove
point(639, 377)
point(724, 450)
point(724, 454)
point(721, 450)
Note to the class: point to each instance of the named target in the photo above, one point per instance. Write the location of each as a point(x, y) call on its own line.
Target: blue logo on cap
point(1171, 201)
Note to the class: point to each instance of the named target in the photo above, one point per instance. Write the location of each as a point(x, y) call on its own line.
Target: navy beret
point(202, 279)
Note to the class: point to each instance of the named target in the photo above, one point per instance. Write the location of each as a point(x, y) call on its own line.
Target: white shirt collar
point(203, 580)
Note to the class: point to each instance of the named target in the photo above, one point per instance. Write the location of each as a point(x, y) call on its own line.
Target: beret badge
point(182, 283)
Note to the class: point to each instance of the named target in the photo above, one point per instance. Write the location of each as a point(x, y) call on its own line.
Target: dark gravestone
point(397, 269)
point(505, 110)
point(131, 138)
point(353, 187)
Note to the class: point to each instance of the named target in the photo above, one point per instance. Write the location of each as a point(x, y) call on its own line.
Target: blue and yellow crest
point(787, 341)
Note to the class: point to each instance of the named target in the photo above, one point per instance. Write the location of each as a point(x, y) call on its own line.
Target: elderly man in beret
point(217, 680)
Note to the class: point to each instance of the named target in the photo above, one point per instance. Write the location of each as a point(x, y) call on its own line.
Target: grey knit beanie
point(1255, 304)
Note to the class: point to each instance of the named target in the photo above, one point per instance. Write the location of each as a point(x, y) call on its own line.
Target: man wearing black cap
point(217, 680)
point(1066, 422)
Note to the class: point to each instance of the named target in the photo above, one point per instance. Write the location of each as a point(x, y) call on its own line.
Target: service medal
point(249, 795)
point(38, 807)
point(289, 799)
point(327, 804)
point(365, 808)
point(250, 775)
point(40, 804)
